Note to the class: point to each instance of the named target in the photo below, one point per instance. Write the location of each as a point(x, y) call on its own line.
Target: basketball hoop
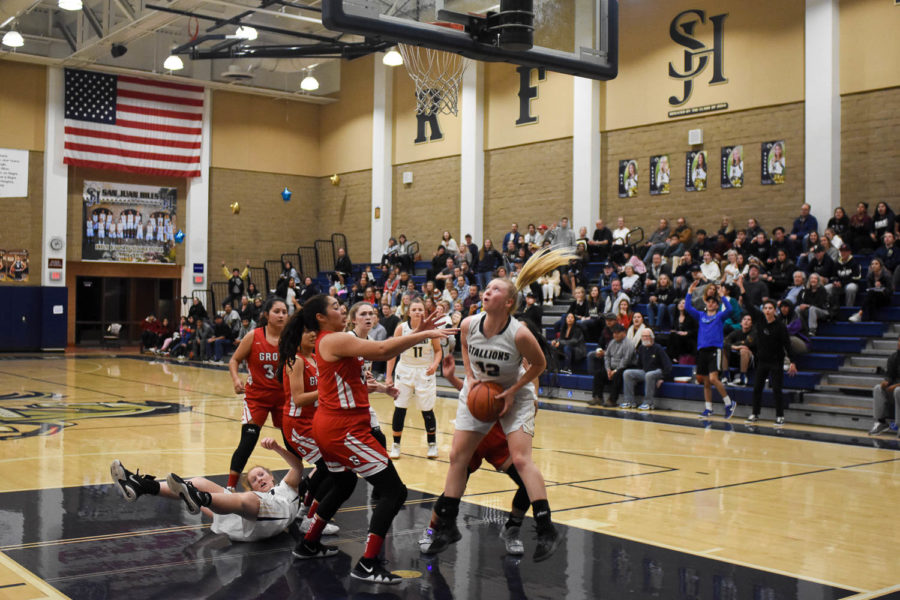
point(437, 75)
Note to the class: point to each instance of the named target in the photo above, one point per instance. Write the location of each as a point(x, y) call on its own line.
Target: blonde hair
point(541, 262)
point(245, 477)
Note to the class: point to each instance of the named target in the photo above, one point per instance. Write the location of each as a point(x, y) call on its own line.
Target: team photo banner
point(660, 174)
point(128, 223)
point(696, 171)
point(628, 178)
point(773, 165)
point(732, 167)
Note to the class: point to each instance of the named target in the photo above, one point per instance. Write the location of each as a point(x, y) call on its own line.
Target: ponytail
point(541, 262)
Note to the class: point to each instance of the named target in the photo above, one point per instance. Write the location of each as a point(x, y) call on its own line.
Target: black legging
point(775, 373)
point(601, 379)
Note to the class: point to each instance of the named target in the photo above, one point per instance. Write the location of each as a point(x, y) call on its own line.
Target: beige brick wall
point(526, 184)
point(870, 130)
point(344, 208)
point(21, 227)
point(772, 205)
point(428, 206)
point(267, 226)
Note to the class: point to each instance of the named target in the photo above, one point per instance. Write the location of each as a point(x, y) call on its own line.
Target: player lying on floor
point(264, 512)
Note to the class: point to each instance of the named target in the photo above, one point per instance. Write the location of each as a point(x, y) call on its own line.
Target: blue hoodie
point(711, 329)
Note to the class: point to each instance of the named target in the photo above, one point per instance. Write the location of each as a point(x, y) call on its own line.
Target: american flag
point(131, 124)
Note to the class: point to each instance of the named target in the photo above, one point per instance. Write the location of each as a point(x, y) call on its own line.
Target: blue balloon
point(179, 237)
point(286, 194)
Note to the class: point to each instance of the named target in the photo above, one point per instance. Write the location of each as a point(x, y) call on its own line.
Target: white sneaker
point(432, 451)
point(395, 452)
point(510, 537)
point(855, 318)
point(330, 528)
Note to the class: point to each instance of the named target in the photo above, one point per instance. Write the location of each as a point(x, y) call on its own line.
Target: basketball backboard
point(578, 37)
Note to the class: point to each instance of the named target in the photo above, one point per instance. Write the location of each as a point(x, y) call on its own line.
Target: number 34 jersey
point(263, 364)
point(496, 358)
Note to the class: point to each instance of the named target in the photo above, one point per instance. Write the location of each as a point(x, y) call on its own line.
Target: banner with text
point(660, 173)
point(628, 178)
point(732, 167)
point(128, 223)
point(696, 170)
point(773, 165)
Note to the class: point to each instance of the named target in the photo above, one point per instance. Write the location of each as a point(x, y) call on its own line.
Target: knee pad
point(430, 421)
point(399, 417)
point(249, 437)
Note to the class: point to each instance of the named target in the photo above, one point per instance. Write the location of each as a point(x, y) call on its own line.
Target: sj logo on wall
point(697, 56)
point(773, 166)
point(128, 223)
point(14, 265)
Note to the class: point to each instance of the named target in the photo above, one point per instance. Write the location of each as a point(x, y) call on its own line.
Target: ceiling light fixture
point(13, 39)
point(70, 4)
point(245, 32)
point(392, 58)
point(173, 63)
point(309, 83)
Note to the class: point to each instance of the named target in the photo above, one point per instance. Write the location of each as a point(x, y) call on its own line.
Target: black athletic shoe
point(547, 543)
point(193, 498)
point(306, 549)
point(441, 537)
point(371, 570)
point(131, 484)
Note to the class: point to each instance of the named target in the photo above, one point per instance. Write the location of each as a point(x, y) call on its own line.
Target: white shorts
point(413, 382)
point(276, 512)
point(520, 415)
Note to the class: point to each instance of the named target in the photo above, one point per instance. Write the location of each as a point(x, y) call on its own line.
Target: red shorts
point(298, 434)
point(256, 410)
point(346, 442)
point(493, 448)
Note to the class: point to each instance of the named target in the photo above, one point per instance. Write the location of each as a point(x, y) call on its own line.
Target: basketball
point(482, 401)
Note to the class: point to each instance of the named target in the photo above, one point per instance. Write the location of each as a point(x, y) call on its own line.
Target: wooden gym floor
point(659, 506)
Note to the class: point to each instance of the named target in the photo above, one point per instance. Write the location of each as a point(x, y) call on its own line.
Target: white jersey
point(496, 358)
point(277, 509)
point(420, 355)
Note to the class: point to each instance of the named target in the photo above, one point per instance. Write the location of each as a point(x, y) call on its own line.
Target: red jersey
point(263, 363)
point(302, 415)
point(342, 384)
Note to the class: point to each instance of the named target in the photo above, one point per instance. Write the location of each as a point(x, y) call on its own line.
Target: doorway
point(102, 301)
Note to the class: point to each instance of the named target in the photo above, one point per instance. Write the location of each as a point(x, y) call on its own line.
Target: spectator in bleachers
point(637, 326)
point(531, 241)
point(685, 234)
point(683, 277)
point(310, 289)
point(510, 254)
point(182, 344)
point(614, 296)
point(569, 346)
point(807, 248)
point(814, 303)
point(861, 231)
point(651, 366)
point(754, 289)
point(246, 327)
point(683, 336)
point(472, 302)
point(232, 318)
point(465, 270)
point(655, 269)
point(450, 245)
point(390, 254)
point(781, 273)
point(879, 289)
point(697, 297)
point(730, 297)
point(390, 287)
point(596, 359)
point(889, 254)
point(663, 300)
point(624, 313)
point(740, 244)
point(617, 358)
point(822, 265)
point(550, 287)
point(656, 243)
point(619, 240)
point(628, 258)
point(726, 229)
point(290, 296)
point(830, 251)
point(562, 234)
point(840, 223)
point(513, 236)
point(883, 221)
point(759, 247)
point(595, 301)
point(253, 293)
point(600, 242)
point(792, 293)
point(754, 228)
point(731, 271)
point(573, 276)
point(739, 345)
point(532, 311)
point(796, 327)
point(443, 277)
point(343, 268)
point(287, 271)
point(235, 283)
point(701, 243)
point(222, 340)
point(387, 318)
point(803, 225)
point(197, 311)
point(847, 277)
point(488, 261)
point(710, 269)
point(607, 274)
point(779, 242)
point(886, 396)
point(438, 262)
point(542, 236)
point(631, 284)
point(836, 240)
point(468, 252)
point(582, 239)
point(201, 336)
point(674, 248)
point(720, 246)
point(772, 345)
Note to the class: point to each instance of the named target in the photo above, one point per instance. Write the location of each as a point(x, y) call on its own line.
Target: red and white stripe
point(371, 460)
point(306, 446)
point(158, 131)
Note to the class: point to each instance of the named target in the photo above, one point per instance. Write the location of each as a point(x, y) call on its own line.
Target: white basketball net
point(437, 76)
